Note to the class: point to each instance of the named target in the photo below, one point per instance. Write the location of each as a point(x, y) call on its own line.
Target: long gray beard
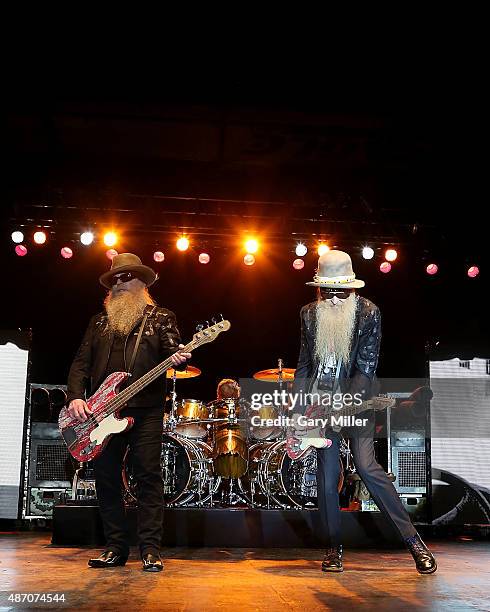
point(125, 310)
point(334, 327)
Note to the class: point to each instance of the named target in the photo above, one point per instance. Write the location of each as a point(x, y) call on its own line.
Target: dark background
point(283, 162)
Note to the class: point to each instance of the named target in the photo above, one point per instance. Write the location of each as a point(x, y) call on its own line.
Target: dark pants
point(145, 442)
point(372, 474)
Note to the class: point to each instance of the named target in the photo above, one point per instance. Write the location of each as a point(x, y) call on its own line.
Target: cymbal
point(273, 375)
point(189, 372)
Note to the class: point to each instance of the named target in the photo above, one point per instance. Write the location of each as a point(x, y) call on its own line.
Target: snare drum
point(190, 410)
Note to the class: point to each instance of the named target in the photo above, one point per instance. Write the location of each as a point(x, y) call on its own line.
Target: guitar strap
point(138, 340)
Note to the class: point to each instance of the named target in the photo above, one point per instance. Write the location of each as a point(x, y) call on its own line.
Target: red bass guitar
point(87, 440)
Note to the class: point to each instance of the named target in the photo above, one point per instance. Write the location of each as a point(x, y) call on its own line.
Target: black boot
point(152, 563)
point(424, 560)
point(109, 558)
point(333, 560)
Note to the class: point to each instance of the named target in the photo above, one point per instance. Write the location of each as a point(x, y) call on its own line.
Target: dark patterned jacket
point(358, 374)
point(160, 339)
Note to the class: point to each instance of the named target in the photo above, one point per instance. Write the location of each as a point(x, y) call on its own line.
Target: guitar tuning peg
point(207, 323)
point(213, 321)
point(199, 327)
point(222, 317)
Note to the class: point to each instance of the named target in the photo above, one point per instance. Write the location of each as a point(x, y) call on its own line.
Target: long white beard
point(334, 327)
point(125, 309)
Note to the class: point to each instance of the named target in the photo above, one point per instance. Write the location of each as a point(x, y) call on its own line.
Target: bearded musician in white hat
point(340, 341)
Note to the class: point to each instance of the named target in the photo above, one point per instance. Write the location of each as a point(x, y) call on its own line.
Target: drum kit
point(213, 456)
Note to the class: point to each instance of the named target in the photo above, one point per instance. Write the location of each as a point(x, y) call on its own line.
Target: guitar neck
point(125, 395)
point(353, 410)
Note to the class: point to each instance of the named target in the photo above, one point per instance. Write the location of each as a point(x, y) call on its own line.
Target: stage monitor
point(460, 428)
point(14, 358)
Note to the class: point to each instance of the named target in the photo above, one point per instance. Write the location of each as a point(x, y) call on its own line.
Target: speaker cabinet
point(49, 470)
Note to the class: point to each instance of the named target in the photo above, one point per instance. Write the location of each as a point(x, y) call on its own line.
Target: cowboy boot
point(424, 559)
point(333, 560)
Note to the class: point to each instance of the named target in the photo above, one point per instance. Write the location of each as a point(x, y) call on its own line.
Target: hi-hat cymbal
point(189, 372)
point(273, 375)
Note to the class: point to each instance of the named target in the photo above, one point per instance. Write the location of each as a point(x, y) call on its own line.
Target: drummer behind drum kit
point(206, 445)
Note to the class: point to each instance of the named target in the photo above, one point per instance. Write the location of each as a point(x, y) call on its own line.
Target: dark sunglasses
point(330, 293)
point(124, 277)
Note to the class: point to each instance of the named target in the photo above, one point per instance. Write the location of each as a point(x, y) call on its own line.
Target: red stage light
point(66, 253)
point(111, 253)
point(385, 267)
point(473, 271)
point(432, 269)
point(204, 258)
point(158, 256)
point(20, 250)
point(298, 264)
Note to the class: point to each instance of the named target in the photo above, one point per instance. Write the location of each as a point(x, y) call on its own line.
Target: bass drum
point(275, 480)
point(187, 473)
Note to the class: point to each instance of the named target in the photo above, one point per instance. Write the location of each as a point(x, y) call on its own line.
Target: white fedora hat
point(335, 272)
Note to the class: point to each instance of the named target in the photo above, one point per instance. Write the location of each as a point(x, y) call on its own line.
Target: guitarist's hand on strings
point(180, 357)
point(79, 410)
point(297, 429)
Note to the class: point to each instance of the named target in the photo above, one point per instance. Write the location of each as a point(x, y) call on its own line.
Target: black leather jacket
point(358, 374)
point(160, 339)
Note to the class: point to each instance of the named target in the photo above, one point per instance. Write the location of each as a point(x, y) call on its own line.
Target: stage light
point(204, 258)
point(473, 271)
point(66, 253)
point(249, 259)
point(301, 249)
point(17, 237)
point(322, 249)
point(367, 252)
point(20, 250)
point(87, 238)
point(111, 253)
point(40, 237)
point(110, 239)
point(183, 243)
point(390, 254)
point(432, 269)
point(158, 256)
point(385, 267)
point(251, 245)
point(298, 264)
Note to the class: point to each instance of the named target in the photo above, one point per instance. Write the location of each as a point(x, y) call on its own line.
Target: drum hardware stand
point(83, 488)
point(252, 489)
point(284, 408)
point(173, 411)
point(232, 418)
point(233, 497)
point(211, 490)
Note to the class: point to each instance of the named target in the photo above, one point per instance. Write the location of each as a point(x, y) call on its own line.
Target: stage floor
point(237, 579)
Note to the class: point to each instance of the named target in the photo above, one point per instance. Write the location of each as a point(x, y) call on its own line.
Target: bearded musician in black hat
point(111, 345)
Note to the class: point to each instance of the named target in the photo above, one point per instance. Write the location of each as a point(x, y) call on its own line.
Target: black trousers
point(145, 442)
point(372, 474)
